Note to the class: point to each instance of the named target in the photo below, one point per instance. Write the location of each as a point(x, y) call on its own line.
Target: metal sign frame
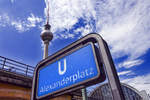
point(64, 52)
point(104, 60)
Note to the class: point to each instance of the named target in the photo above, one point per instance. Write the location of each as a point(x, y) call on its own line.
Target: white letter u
point(61, 72)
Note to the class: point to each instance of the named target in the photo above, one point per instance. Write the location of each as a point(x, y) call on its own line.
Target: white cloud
point(4, 20)
point(129, 72)
point(139, 82)
point(66, 36)
point(126, 30)
point(84, 30)
point(130, 63)
point(12, 1)
point(123, 24)
point(33, 20)
point(65, 14)
point(19, 24)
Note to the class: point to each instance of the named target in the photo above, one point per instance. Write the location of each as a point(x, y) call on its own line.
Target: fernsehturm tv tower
point(46, 35)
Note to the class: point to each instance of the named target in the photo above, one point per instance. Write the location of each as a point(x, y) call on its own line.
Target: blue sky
point(124, 24)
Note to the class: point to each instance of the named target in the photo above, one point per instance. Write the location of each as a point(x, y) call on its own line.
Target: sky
point(124, 24)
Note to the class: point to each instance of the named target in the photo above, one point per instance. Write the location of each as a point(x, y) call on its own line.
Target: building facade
point(103, 92)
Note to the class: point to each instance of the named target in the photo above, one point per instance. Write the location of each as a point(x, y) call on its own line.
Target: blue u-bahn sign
point(76, 66)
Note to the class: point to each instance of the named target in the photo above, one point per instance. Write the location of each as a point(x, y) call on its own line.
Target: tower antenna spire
point(48, 12)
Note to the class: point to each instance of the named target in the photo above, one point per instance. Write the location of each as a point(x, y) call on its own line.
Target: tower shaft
point(45, 54)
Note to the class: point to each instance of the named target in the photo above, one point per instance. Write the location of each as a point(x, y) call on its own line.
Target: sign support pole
point(84, 94)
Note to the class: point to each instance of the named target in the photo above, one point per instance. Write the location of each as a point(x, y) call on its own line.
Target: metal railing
point(16, 67)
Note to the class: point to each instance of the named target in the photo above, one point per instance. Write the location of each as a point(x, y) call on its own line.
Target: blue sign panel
point(68, 71)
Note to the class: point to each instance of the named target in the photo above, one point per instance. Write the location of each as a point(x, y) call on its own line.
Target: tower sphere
point(46, 34)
